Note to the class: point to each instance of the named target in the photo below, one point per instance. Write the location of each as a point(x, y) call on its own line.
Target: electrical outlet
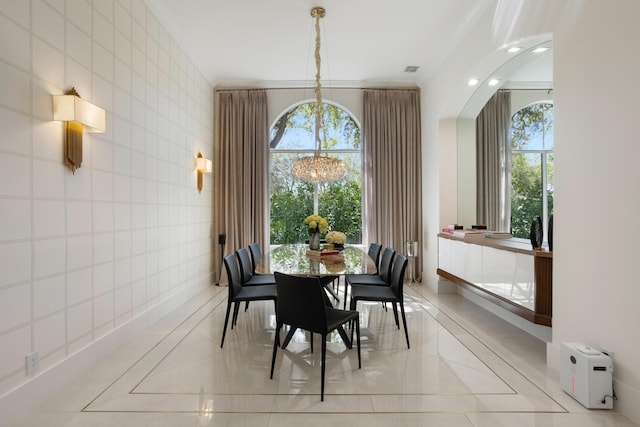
point(33, 362)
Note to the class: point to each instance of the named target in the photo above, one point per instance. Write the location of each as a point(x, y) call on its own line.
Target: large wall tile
point(14, 43)
point(49, 257)
point(50, 334)
point(79, 286)
point(16, 219)
point(15, 262)
point(49, 218)
point(15, 306)
point(49, 295)
point(48, 24)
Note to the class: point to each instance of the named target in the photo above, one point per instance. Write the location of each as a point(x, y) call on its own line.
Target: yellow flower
point(316, 224)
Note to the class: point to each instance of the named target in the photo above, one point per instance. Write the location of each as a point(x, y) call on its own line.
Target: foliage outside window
point(291, 201)
point(531, 167)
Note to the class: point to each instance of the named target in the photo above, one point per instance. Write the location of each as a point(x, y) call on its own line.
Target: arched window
point(340, 202)
point(531, 167)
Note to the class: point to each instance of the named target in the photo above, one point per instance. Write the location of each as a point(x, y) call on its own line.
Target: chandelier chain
point(318, 85)
point(317, 168)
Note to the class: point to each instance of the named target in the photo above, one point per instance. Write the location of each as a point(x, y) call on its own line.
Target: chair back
point(385, 263)
point(301, 302)
point(256, 256)
point(397, 275)
point(374, 254)
point(245, 264)
point(231, 265)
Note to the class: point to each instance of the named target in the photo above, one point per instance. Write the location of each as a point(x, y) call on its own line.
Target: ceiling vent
point(411, 69)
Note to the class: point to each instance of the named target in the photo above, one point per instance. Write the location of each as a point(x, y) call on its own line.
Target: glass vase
point(314, 241)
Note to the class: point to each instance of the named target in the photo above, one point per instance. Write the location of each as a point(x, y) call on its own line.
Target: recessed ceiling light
point(514, 49)
point(540, 49)
point(493, 82)
point(473, 82)
point(411, 68)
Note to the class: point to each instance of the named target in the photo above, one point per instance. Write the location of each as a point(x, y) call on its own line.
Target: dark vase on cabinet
point(535, 233)
point(550, 233)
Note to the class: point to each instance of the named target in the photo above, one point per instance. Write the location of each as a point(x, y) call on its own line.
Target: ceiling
point(261, 43)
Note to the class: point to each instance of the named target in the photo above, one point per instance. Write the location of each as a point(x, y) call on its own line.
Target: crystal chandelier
point(317, 168)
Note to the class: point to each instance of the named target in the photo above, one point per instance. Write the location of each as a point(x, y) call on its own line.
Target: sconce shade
point(70, 108)
point(77, 114)
point(204, 165)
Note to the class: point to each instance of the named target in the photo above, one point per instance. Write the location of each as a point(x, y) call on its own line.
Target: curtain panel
point(392, 170)
point(242, 165)
point(493, 163)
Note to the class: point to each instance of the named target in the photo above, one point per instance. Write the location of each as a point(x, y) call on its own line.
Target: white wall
point(597, 187)
point(596, 177)
point(85, 256)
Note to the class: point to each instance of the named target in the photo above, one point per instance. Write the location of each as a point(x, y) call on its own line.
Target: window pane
point(338, 130)
point(339, 202)
point(526, 192)
point(550, 183)
point(532, 128)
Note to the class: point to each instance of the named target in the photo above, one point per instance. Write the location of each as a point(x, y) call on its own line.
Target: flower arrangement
point(316, 224)
point(336, 237)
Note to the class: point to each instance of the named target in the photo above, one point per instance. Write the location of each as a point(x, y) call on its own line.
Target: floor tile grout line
point(446, 313)
point(84, 408)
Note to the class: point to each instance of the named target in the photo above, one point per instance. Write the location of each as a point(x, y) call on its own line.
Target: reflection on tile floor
point(465, 368)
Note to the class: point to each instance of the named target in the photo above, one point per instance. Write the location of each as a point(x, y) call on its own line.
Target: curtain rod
point(412, 89)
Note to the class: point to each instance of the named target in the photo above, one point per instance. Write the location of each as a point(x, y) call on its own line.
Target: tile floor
point(465, 368)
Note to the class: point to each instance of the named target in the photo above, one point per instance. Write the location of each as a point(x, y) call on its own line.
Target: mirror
point(529, 75)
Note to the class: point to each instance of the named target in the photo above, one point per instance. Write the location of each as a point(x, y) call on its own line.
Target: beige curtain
point(493, 163)
point(392, 169)
point(242, 163)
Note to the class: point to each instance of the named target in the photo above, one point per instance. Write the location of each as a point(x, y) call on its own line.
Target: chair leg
point(276, 344)
point(404, 321)
point(346, 285)
point(226, 320)
point(236, 309)
point(246, 305)
point(358, 333)
point(311, 340)
point(395, 314)
point(324, 356)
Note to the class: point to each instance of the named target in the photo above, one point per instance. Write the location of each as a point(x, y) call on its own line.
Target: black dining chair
point(375, 249)
point(246, 268)
point(302, 304)
point(256, 256)
point(380, 279)
point(386, 294)
point(239, 293)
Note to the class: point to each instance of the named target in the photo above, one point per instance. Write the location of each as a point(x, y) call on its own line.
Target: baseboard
point(25, 398)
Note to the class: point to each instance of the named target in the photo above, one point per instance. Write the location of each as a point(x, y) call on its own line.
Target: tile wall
point(84, 254)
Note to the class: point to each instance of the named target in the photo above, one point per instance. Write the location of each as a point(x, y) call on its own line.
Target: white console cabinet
point(506, 272)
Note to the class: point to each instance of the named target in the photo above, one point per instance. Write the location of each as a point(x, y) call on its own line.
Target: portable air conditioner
point(587, 375)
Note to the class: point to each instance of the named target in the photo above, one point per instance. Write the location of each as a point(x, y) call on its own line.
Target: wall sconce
point(202, 166)
point(76, 113)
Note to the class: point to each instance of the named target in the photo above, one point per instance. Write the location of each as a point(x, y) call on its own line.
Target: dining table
point(298, 259)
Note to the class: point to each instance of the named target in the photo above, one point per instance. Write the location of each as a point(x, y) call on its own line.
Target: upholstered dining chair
point(246, 268)
point(380, 279)
point(392, 294)
point(256, 256)
point(375, 249)
point(239, 293)
point(302, 304)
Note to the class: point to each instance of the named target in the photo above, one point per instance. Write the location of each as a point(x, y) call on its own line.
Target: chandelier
point(317, 168)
